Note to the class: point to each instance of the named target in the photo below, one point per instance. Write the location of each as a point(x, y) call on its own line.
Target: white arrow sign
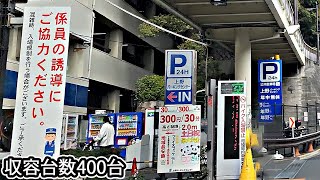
point(292, 122)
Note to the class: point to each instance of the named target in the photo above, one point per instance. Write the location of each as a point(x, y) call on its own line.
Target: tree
point(307, 21)
point(175, 24)
point(150, 88)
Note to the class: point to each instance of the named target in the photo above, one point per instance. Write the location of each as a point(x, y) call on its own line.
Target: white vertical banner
point(179, 139)
point(41, 82)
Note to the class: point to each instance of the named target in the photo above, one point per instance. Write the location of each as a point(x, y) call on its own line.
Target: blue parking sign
point(180, 76)
point(269, 89)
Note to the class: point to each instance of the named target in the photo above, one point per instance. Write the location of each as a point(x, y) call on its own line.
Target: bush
point(150, 88)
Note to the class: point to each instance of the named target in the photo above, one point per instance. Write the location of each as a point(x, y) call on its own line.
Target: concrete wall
point(129, 22)
point(107, 69)
point(305, 87)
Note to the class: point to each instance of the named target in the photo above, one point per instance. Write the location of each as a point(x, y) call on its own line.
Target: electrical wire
point(121, 42)
point(152, 24)
point(163, 29)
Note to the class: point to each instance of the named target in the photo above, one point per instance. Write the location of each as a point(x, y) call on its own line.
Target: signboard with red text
point(179, 139)
point(231, 131)
point(41, 82)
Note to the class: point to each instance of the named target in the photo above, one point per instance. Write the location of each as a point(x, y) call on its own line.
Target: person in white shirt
point(106, 134)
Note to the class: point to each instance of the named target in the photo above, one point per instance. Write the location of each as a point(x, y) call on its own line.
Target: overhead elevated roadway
point(253, 29)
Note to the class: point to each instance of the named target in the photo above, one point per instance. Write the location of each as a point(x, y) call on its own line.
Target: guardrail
point(291, 142)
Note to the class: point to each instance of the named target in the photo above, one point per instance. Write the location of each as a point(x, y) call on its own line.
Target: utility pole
point(4, 43)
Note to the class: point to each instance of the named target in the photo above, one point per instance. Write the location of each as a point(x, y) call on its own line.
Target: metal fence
point(307, 114)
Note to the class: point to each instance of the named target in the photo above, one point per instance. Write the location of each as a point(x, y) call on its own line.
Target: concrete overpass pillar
point(243, 62)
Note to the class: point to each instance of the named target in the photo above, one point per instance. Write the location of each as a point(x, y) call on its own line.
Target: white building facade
point(106, 54)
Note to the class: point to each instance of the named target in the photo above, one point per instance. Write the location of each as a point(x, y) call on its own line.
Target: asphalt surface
point(310, 170)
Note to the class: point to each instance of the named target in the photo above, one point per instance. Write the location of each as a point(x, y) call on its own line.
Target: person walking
point(105, 138)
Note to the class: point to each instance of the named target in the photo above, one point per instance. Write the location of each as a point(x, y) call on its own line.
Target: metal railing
point(309, 52)
point(286, 6)
point(277, 135)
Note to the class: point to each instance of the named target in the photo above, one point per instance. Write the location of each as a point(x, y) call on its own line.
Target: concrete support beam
point(114, 100)
point(115, 43)
point(111, 101)
point(148, 59)
point(243, 61)
point(151, 10)
point(14, 48)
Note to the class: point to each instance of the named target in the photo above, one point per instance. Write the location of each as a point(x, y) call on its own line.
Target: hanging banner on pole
point(41, 82)
point(179, 139)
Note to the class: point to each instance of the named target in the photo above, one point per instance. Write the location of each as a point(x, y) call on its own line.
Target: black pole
point(283, 121)
point(4, 44)
point(297, 114)
point(307, 117)
point(154, 136)
point(316, 104)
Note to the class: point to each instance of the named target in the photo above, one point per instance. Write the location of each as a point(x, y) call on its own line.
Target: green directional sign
point(237, 88)
point(232, 88)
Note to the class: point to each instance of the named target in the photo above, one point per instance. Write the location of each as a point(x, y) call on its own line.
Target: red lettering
point(40, 78)
point(61, 18)
point(60, 34)
point(56, 79)
point(34, 115)
point(58, 48)
point(57, 64)
point(38, 96)
point(45, 15)
point(44, 34)
point(42, 48)
point(52, 93)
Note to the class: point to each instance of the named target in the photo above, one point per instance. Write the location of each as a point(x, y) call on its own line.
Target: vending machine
point(128, 128)
point(69, 131)
point(95, 123)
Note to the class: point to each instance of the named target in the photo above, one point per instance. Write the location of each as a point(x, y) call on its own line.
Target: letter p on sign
point(270, 72)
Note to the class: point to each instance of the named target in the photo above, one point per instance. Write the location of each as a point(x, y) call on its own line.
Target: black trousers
point(106, 147)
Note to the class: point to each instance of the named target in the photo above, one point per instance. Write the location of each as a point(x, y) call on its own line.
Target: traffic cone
point(296, 151)
point(248, 171)
point(134, 169)
point(310, 147)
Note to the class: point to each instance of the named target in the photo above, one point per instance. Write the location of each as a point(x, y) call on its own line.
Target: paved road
point(311, 169)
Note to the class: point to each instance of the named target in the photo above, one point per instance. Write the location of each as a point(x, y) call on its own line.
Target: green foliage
point(213, 71)
point(307, 21)
point(150, 88)
point(175, 24)
point(169, 22)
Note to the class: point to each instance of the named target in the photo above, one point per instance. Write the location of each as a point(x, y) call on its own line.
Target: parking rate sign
point(269, 89)
point(179, 139)
point(180, 76)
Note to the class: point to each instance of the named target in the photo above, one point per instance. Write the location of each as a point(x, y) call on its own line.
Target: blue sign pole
point(269, 89)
